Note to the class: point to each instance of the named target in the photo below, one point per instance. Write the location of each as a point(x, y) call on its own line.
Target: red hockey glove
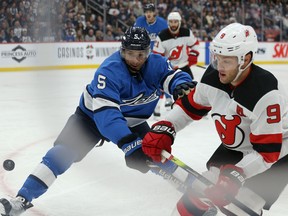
point(230, 179)
point(193, 57)
point(160, 137)
point(183, 89)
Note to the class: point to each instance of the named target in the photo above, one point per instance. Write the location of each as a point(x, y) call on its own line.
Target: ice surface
point(34, 108)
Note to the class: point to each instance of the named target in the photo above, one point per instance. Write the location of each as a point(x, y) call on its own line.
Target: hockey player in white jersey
point(178, 44)
point(250, 110)
point(114, 107)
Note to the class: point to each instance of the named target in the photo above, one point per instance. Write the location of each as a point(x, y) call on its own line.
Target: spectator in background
point(17, 29)
point(137, 8)
point(90, 36)
point(5, 28)
point(70, 36)
point(79, 36)
point(109, 36)
point(3, 38)
point(131, 19)
point(25, 38)
point(88, 26)
point(12, 38)
point(118, 33)
point(99, 35)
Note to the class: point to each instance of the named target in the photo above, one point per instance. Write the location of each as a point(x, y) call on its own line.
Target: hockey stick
point(200, 66)
point(207, 182)
point(180, 185)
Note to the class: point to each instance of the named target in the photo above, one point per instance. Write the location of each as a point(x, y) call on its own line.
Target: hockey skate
point(14, 207)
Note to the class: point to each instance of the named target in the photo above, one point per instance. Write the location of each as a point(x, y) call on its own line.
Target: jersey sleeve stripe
point(268, 146)
point(168, 81)
point(270, 157)
point(192, 109)
point(162, 54)
point(266, 138)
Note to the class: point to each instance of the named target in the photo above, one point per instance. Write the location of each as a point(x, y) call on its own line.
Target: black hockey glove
point(131, 145)
point(183, 89)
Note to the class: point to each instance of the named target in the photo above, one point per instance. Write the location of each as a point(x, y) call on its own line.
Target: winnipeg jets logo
point(228, 130)
point(153, 36)
point(140, 99)
point(136, 37)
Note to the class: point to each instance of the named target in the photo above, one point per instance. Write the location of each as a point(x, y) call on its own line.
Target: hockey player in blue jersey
point(152, 23)
point(114, 107)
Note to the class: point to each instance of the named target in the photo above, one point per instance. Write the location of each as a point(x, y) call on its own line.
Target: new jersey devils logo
point(175, 53)
point(228, 130)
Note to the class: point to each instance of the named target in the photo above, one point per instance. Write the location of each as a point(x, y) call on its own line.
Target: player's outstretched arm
point(134, 156)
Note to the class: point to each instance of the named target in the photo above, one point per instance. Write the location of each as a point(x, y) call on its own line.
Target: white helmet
point(235, 40)
point(174, 16)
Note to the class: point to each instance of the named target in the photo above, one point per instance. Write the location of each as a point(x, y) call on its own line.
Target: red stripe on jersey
point(266, 138)
point(270, 157)
point(195, 110)
point(162, 54)
point(194, 104)
point(268, 146)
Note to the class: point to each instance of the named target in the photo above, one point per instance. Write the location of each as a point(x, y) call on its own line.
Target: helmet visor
point(219, 62)
point(140, 55)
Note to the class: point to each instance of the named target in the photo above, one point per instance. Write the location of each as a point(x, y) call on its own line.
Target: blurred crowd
point(70, 20)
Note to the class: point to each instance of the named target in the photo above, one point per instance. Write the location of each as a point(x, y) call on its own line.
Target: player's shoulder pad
point(258, 83)
point(184, 32)
point(165, 35)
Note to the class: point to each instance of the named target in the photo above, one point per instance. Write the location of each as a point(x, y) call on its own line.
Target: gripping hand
point(230, 179)
point(193, 57)
point(183, 89)
point(134, 156)
point(160, 137)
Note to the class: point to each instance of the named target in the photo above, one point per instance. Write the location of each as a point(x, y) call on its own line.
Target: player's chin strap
point(201, 178)
point(240, 71)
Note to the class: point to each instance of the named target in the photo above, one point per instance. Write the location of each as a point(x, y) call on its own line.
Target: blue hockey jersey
point(153, 29)
point(116, 100)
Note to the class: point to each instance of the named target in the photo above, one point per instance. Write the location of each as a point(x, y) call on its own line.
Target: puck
point(8, 165)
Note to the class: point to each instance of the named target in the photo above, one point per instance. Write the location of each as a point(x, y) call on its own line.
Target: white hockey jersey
point(176, 47)
point(251, 118)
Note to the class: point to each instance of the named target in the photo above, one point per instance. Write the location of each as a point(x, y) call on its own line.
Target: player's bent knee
point(60, 158)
